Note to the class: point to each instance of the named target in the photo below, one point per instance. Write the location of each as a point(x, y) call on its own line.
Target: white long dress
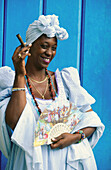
point(18, 146)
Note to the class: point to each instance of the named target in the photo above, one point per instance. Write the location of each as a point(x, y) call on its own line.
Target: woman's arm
point(67, 139)
point(16, 104)
point(18, 98)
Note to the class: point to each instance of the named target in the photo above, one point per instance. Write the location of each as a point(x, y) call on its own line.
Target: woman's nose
point(49, 51)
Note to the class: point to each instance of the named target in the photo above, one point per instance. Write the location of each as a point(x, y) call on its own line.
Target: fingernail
point(53, 139)
point(30, 44)
point(26, 52)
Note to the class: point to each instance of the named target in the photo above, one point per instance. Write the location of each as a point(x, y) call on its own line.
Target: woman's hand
point(65, 140)
point(19, 59)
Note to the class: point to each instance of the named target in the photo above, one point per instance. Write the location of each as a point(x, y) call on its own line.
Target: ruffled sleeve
point(74, 91)
point(6, 77)
point(6, 82)
point(23, 134)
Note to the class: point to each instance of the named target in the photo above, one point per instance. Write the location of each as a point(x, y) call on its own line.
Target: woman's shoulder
point(70, 74)
point(6, 77)
point(69, 70)
point(73, 88)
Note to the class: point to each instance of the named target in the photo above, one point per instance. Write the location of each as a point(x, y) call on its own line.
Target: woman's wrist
point(19, 81)
point(20, 73)
point(77, 137)
point(80, 135)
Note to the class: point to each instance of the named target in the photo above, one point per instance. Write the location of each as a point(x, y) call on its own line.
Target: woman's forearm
point(88, 131)
point(17, 102)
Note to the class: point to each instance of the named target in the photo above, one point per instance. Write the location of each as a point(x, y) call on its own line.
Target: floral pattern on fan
point(53, 122)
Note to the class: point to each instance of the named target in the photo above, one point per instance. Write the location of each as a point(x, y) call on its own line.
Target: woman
point(30, 89)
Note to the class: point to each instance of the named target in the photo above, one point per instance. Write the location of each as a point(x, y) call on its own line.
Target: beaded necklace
point(51, 87)
point(52, 83)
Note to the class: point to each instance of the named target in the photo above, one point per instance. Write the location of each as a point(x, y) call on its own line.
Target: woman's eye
point(54, 48)
point(44, 46)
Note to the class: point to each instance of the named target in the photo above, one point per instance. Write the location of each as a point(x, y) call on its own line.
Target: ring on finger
point(19, 55)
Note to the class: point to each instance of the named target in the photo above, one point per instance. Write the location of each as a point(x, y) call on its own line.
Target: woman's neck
point(36, 73)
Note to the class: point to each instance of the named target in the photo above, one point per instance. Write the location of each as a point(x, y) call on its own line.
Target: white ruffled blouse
point(18, 146)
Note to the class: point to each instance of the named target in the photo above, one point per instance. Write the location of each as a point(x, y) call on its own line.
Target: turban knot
point(48, 25)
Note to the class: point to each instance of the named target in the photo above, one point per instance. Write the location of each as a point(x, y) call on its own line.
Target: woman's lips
point(46, 60)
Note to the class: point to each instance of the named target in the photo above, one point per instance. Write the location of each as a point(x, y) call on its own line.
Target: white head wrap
point(48, 25)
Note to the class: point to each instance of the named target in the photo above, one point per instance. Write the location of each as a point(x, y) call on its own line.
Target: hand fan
point(55, 120)
point(57, 130)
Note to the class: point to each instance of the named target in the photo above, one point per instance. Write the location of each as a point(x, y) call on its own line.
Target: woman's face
point(43, 51)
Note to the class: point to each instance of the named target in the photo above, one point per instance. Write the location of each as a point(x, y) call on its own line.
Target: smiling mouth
point(47, 60)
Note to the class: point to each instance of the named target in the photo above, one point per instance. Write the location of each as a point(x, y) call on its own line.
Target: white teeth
point(47, 59)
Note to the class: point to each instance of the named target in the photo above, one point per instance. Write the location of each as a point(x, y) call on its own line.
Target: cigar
point(20, 39)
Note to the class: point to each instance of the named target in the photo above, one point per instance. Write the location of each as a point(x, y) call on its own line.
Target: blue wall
point(1, 29)
point(97, 70)
point(19, 14)
point(88, 23)
point(68, 12)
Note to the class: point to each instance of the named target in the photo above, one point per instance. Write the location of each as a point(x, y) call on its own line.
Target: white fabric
point(48, 25)
point(74, 91)
point(19, 149)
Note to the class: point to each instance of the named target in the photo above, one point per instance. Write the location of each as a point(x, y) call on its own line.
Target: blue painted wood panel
point(19, 15)
point(97, 71)
point(1, 28)
point(68, 12)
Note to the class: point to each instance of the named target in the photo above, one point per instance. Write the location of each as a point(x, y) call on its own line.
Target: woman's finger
point(58, 144)
point(24, 49)
point(23, 55)
point(57, 138)
point(19, 50)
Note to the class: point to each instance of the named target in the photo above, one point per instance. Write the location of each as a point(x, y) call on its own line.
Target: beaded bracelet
point(82, 135)
point(18, 89)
